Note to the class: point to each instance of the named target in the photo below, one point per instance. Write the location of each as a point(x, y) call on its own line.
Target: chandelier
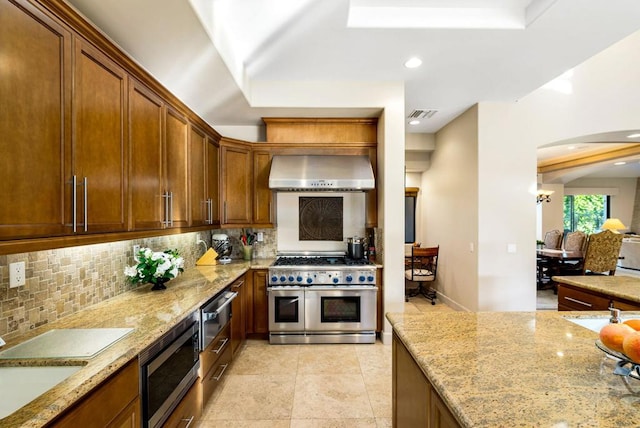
point(543, 196)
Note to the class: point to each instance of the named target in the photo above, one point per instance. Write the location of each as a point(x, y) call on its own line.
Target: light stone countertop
point(150, 313)
point(623, 287)
point(519, 369)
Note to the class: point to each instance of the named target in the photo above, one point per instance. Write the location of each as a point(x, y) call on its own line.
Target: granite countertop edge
point(623, 287)
point(150, 313)
point(538, 362)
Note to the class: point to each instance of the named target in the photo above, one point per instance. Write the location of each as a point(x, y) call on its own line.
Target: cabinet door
point(176, 185)
point(145, 160)
point(238, 326)
point(99, 150)
point(213, 179)
point(262, 195)
point(410, 390)
point(200, 206)
point(35, 122)
point(260, 302)
point(236, 185)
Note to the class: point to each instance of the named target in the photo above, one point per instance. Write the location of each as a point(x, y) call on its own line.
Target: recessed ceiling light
point(413, 62)
point(620, 163)
point(633, 136)
point(571, 148)
point(414, 122)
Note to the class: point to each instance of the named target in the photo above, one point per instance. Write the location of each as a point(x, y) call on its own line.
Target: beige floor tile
point(282, 423)
point(375, 359)
point(331, 396)
point(265, 360)
point(258, 397)
point(384, 422)
point(333, 423)
point(328, 359)
point(378, 387)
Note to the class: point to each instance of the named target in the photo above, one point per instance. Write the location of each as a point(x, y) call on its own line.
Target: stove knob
point(361, 278)
point(283, 278)
point(349, 278)
point(291, 278)
point(309, 280)
point(299, 278)
point(370, 278)
point(274, 278)
point(335, 280)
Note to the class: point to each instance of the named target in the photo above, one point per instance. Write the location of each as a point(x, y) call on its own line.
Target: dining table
point(552, 260)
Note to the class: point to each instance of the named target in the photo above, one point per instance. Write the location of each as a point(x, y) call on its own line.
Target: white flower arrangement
point(155, 267)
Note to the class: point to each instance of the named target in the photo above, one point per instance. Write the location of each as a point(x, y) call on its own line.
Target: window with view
point(585, 213)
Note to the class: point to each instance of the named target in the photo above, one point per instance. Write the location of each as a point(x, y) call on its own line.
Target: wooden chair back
point(424, 264)
point(553, 239)
point(575, 241)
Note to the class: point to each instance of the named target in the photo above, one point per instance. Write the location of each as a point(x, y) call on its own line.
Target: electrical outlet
point(260, 237)
point(136, 248)
point(16, 275)
point(197, 238)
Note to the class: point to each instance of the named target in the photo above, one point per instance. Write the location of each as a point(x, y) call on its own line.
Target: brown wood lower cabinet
point(238, 310)
point(572, 298)
point(214, 361)
point(415, 402)
point(115, 403)
point(188, 412)
point(258, 305)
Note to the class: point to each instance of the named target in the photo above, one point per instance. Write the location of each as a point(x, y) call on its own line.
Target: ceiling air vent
point(422, 113)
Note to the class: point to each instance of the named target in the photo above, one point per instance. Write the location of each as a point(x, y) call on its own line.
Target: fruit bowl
point(624, 366)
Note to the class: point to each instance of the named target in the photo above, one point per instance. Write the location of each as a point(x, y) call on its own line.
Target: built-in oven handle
point(345, 288)
point(207, 316)
point(286, 288)
point(188, 421)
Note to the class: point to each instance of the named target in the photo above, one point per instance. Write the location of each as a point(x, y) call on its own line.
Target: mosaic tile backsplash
point(63, 281)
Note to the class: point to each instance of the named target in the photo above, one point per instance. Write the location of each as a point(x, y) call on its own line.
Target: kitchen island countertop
point(518, 369)
point(149, 313)
point(623, 287)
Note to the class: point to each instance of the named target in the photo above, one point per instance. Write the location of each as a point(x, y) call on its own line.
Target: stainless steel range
point(322, 298)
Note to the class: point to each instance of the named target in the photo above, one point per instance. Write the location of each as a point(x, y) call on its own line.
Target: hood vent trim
point(321, 173)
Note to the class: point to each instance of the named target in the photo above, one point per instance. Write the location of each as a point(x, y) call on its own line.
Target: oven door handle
point(286, 288)
point(208, 316)
point(345, 288)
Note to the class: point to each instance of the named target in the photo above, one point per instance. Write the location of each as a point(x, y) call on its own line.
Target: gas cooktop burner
point(320, 261)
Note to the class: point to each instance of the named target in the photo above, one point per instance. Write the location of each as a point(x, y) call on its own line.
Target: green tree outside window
point(585, 213)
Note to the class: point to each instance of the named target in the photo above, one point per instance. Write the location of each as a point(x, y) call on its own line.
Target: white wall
point(550, 215)
point(449, 198)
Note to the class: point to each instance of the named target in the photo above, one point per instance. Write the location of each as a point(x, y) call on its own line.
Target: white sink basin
point(592, 323)
point(20, 385)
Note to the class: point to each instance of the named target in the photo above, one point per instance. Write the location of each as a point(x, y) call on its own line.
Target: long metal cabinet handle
point(86, 204)
point(225, 211)
point(170, 208)
point(74, 197)
point(578, 301)
point(165, 214)
point(224, 342)
point(209, 211)
point(224, 368)
point(188, 421)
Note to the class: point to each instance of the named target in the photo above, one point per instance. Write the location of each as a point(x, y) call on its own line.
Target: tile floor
point(318, 386)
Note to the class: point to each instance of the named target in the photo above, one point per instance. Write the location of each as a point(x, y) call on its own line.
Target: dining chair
point(553, 241)
point(422, 269)
point(575, 241)
point(601, 257)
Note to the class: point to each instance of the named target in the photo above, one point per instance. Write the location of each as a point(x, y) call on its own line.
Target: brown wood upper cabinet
point(158, 162)
point(35, 122)
point(98, 179)
point(203, 173)
point(236, 183)
point(263, 204)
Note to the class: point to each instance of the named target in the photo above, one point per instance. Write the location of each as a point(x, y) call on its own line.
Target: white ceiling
point(262, 41)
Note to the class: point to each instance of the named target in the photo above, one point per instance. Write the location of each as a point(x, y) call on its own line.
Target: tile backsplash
point(62, 281)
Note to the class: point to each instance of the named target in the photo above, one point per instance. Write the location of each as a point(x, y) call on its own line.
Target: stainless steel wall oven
point(168, 368)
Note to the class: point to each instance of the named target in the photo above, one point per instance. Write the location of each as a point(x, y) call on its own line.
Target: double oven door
point(322, 309)
point(340, 309)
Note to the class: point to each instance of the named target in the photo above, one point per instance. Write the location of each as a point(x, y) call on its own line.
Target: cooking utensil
point(355, 247)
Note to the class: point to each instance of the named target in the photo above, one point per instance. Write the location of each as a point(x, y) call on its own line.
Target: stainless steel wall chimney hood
point(321, 173)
